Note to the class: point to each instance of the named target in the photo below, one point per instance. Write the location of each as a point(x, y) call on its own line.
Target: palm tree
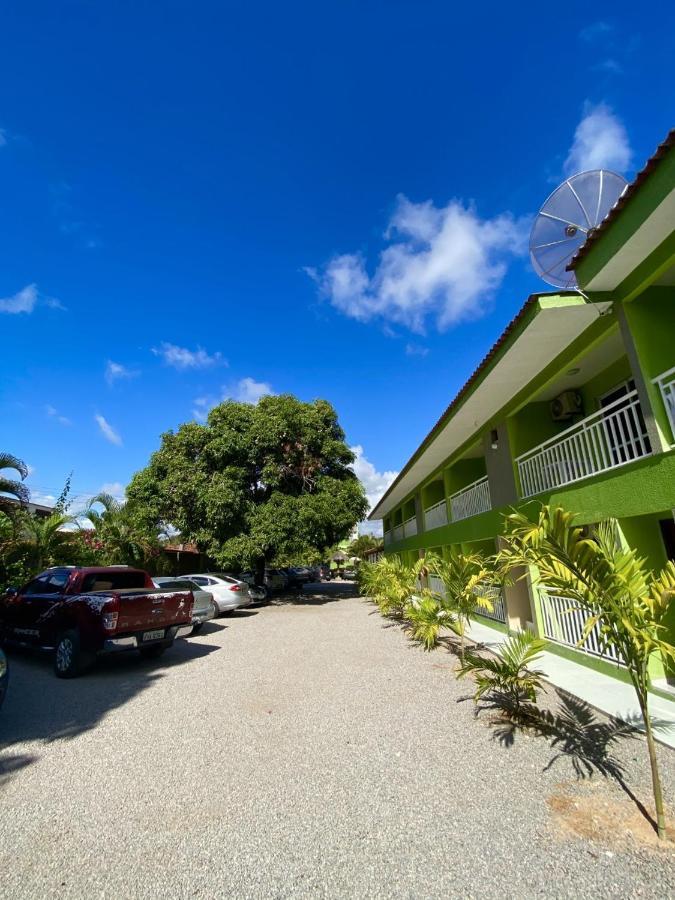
point(626, 604)
point(123, 540)
point(468, 581)
point(9, 485)
point(45, 538)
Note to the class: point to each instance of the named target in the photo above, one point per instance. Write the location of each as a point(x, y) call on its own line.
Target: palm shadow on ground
point(576, 734)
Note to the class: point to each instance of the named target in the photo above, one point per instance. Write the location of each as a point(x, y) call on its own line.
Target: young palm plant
point(426, 615)
point(508, 674)
point(468, 582)
point(45, 539)
point(123, 539)
point(626, 604)
point(394, 583)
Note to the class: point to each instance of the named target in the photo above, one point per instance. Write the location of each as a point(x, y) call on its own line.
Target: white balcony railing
point(410, 527)
point(436, 516)
point(387, 538)
point(471, 500)
point(666, 384)
point(398, 532)
point(564, 623)
point(494, 594)
point(436, 585)
point(607, 439)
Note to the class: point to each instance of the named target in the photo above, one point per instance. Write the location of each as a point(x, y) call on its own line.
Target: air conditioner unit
point(566, 405)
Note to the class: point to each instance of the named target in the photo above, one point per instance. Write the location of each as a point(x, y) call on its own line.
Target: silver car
point(205, 607)
point(229, 593)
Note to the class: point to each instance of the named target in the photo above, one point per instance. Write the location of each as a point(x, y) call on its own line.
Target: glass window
point(199, 579)
point(36, 586)
point(58, 580)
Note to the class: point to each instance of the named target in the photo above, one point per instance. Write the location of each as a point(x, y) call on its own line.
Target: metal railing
point(387, 538)
point(564, 623)
point(410, 527)
point(666, 384)
point(471, 500)
point(436, 585)
point(436, 516)
point(607, 439)
point(398, 532)
point(498, 608)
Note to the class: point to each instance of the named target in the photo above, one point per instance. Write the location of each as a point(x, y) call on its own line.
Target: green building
point(575, 406)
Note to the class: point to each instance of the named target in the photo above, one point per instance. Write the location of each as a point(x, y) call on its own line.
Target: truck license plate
point(153, 635)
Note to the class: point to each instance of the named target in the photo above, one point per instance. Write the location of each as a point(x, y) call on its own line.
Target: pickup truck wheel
point(68, 656)
point(154, 651)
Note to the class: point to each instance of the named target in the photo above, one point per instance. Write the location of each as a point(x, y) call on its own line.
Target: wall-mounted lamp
point(494, 439)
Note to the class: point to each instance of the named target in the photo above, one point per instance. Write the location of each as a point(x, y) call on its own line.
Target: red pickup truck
point(81, 612)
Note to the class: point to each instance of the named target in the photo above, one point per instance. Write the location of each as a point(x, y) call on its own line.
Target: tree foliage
point(626, 604)
point(256, 482)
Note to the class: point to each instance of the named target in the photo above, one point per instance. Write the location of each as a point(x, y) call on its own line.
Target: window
point(114, 581)
point(199, 579)
point(36, 586)
point(58, 580)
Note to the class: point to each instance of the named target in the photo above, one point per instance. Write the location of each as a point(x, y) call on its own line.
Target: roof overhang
point(543, 329)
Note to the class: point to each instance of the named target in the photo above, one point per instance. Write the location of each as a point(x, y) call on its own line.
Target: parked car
point(81, 612)
point(4, 675)
point(204, 607)
point(228, 592)
point(297, 576)
point(257, 592)
point(325, 572)
point(276, 579)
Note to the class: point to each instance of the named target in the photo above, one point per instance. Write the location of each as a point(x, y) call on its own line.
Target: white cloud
point(443, 263)
point(115, 488)
point(22, 302)
point(116, 371)
point(54, 414)
point(374, 483)
point(108, 431)
point(595, 31)
point(416, 350)
point(600, 142)
point(246, 390)
point(182, 358)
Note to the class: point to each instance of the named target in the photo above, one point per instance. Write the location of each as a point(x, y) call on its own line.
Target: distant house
point(185, 558)
point(35, 509)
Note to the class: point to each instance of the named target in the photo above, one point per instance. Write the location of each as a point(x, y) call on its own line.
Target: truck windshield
point(112, 581)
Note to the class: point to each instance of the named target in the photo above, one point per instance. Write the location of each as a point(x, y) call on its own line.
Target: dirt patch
point(612, 821)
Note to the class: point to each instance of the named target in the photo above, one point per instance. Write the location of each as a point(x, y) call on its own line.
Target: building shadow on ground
point(41, 707)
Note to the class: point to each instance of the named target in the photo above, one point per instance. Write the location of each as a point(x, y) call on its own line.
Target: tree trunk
point(259, 571)
point(656, 778)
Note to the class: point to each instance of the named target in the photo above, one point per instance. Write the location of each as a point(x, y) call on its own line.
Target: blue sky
point(220, 199)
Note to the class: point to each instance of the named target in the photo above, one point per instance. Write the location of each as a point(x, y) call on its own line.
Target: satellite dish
point(579, 204)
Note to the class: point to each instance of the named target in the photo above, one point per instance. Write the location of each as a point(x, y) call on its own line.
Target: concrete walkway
point(609, 695)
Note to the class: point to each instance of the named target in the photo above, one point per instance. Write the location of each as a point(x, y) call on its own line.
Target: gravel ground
point(302, 749)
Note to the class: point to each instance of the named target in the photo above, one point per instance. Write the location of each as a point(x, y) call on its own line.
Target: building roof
point(595, 233)
point(552, 322)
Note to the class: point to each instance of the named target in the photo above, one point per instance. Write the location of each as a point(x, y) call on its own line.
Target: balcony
point(471, 500)
point(387, 538)
point(666, 384)
point(564, 622)
point(436, 516)
point(410, 527)
point(398, 532)
point(605, 440)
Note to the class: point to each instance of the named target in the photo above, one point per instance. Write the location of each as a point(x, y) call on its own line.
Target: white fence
point(387, 538)
point(564, 623)
point(436, 516)
point(398, 532)
point(666, 384)
point(498, 608)
point(436, 585)
point(605, 440)
point(410, 527)
point(471, 500)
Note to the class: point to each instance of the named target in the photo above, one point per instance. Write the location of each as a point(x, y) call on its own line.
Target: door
point(32, 619)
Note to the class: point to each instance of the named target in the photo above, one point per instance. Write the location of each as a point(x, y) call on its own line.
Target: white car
point(228, 593)
point(205, 606)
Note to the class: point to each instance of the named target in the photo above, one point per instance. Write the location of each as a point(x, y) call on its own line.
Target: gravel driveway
point(302, 749)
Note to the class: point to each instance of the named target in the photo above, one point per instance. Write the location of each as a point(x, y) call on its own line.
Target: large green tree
point(255, 483)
